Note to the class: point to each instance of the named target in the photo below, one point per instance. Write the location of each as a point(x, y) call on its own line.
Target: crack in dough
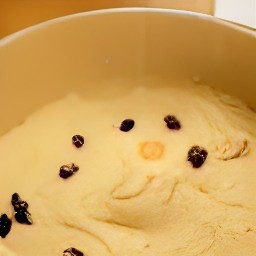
point(120, 192)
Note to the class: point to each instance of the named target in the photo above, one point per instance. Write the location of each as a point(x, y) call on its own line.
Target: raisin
point(72, 252)
point(5, 225)
point(197, 156)
point(23, 216)
point(68, 170)
point(78, 141)
point(127, 125)
point(18, 203)
point(15, 199)
point(172, 122)
point(21, 210)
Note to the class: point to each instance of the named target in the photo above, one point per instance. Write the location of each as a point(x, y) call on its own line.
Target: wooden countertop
point(18, 14)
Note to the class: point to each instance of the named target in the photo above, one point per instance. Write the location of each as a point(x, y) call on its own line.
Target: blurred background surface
point(18, 14)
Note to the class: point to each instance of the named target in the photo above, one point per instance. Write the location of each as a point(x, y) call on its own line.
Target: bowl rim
point(12, 37)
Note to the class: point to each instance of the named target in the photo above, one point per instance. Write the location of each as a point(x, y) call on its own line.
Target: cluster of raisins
point(22, 214)
point(68, 170)
point(65, 172)
point(196, 155)
point(171, 122)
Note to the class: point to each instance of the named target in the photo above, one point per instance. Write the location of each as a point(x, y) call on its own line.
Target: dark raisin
point(5, 225)
point(172, 122)
point(72, 252)
point(78, 141)
point(68, 170)
point(15, 199)
point(20, 208)
point(18, 203)
point(23, 216)
point(197, 156)
point(127, 125)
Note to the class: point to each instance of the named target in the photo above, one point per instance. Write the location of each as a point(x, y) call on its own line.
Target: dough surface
point(135, 193)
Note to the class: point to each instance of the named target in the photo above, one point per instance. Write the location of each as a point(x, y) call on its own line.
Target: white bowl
point(44, 62)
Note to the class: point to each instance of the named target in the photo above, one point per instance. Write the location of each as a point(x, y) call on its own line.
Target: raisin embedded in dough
point(197, 156)
point(127, 125)
point(5, 225)
point(68, 170)
point(72, 252)
point(172, 122)
point(78, 140)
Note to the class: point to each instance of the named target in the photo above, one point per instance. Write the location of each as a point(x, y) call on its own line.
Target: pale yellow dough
point(135, 193)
